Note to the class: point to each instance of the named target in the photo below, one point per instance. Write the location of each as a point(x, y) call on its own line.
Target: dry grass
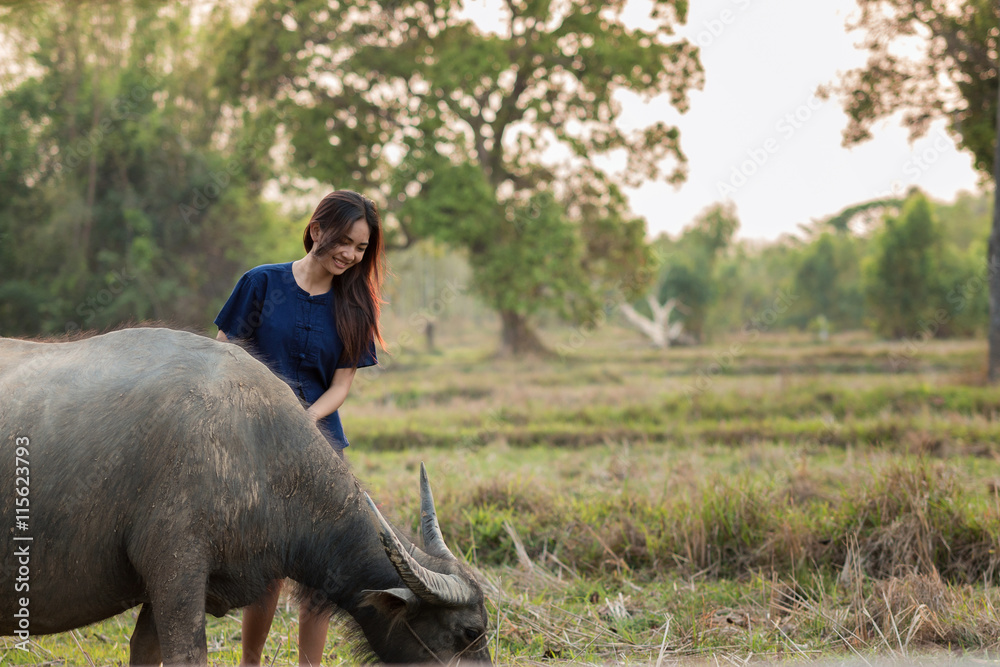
point(807, 506)
point(904, 618)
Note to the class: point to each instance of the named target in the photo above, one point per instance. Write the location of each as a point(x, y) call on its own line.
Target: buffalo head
point(439, 613)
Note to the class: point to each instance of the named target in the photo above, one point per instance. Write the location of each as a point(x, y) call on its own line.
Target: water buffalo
point(166, 469)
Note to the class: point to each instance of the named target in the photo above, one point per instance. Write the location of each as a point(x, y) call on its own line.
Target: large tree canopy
point(927, 59)
point(494, 142)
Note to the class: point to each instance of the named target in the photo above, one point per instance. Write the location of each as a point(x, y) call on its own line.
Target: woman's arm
point(334, 397)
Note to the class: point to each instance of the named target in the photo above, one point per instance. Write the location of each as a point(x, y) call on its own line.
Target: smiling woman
point(314, 322)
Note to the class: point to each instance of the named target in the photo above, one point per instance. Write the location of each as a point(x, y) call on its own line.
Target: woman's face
point(347, 250)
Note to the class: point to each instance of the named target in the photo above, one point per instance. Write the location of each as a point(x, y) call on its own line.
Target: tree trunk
point(658, 329)
point(429, 335)
point(993, 262)
point(517, 338)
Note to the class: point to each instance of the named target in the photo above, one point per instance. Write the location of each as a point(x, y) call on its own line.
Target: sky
point(758, 135)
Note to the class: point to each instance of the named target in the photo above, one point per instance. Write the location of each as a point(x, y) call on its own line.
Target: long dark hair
point(358, 290)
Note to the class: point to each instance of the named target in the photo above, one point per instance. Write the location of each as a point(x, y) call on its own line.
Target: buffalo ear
point(392, 602)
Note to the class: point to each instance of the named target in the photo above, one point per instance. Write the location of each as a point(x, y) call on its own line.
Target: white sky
point(764, 60)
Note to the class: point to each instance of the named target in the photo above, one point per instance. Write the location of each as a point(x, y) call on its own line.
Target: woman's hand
point(334, 397)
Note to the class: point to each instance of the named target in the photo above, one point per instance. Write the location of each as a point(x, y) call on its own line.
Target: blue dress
point(294, 333)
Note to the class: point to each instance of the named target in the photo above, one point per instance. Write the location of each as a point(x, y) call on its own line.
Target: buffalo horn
point(429, 528)
point(429, 586)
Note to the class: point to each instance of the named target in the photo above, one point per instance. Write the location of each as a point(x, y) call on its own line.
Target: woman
point(314, 321)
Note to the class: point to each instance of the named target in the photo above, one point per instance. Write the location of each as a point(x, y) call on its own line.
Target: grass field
point(774, 498)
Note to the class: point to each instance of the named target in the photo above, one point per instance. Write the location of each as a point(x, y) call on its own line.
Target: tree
point(828, 283)
point(867, 212)
point(964, 220)
point(489, 142)
point(657, 328)
point(689, 268)
point(919, 285)
point(949, 70)
point(903, 281)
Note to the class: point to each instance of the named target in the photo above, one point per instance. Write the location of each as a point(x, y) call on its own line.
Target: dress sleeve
point(241, 315)
point(368, 358)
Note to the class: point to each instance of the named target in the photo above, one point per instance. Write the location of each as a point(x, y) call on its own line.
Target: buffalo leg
point(144, 647)
point(178, 601)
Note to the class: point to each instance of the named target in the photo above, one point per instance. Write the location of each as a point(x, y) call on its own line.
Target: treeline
point(901, 268)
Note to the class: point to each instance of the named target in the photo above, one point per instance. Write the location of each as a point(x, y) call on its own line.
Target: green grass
point(626, 505)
